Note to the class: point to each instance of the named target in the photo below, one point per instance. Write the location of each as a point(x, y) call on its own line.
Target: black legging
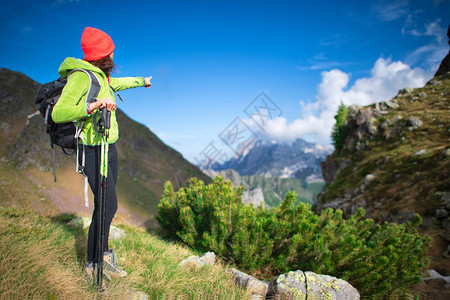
point(92, 170)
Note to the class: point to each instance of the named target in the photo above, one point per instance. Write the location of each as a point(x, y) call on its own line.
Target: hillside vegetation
point(406, 148)
point(376, 259)
point(42, 258)
point(393, 159)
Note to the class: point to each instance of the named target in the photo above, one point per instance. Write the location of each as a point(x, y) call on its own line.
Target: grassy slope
point(42, 258)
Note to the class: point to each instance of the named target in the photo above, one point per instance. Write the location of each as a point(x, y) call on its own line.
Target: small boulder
point(258, 288)
point(83, 222)
point(392, 104)
point(434, 275)
point(209, 258)
point(420, 152)
point(414, 122)
point(368, 179)
point(441, 213)
point(406, 91)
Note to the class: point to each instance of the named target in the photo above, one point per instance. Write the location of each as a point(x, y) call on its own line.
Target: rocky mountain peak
point(299, 159)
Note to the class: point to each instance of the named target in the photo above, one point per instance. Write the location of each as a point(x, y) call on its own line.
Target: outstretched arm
point(123, 83)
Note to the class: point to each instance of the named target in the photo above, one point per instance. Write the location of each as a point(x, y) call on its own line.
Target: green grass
point(42, 258)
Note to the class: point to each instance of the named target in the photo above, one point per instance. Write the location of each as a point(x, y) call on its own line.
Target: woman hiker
point(98, 49)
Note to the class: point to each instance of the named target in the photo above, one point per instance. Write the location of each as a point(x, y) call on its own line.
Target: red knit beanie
point(96, 44)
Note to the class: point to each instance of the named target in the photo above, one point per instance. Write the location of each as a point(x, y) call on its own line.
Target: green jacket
point(72, 106)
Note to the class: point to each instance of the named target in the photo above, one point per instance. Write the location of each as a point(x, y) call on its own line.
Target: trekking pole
point(104, 129)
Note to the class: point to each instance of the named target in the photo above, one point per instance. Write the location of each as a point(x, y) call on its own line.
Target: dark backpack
point(64, 135)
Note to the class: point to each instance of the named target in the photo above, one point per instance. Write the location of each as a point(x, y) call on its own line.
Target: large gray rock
point(258, 288)
point(301, 285)
point(289, 286)
point(433, 275)
point(84, 222)
point(327, 287)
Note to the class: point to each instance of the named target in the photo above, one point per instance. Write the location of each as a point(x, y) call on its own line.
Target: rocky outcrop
point(395, 162)
point(296, 285)
point(382, 122)
point(308, 285)
point(331, 167)
point(365, 123)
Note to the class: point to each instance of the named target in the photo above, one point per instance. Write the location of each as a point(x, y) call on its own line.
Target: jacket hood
point(71, 63)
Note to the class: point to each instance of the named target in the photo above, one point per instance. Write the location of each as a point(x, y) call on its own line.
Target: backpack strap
point(91, 96)
point(94, 85)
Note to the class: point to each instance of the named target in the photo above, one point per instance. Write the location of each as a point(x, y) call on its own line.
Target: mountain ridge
point(268, 171)
point(283, 160)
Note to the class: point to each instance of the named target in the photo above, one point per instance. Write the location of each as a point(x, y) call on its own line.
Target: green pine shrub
point(377, 259)
point(338, 133)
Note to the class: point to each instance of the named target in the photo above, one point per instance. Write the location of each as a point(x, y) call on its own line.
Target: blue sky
point(217, 63)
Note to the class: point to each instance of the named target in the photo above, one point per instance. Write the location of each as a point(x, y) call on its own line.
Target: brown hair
point(106, 64)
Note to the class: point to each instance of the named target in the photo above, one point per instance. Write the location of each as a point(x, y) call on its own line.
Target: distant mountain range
point(269, 171)
point(299, 159)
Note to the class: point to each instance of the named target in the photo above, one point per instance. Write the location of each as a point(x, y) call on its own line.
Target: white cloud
point(335, 40)
point(433, 29)
point(431, 54)
point(321, 62)
point(321, 65)
point(388, 10)
point(317, 118)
